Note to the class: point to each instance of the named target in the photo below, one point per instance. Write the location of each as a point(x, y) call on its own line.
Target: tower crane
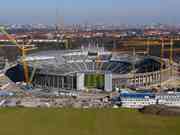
point(23, 49)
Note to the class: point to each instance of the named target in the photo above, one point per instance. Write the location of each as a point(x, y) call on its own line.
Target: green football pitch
point(41, 121)
point(94, 81)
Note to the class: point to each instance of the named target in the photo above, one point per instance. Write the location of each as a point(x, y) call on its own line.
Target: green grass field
point(21, 121)
point(94, 81)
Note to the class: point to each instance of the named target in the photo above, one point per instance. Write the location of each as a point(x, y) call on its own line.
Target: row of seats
point(75, 57)
point(114, 67)
point(84, 57)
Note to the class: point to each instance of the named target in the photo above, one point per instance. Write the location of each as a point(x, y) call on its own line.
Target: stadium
point(92, 68)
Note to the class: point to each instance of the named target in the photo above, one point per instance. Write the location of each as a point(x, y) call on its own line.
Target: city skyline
point(80, 11)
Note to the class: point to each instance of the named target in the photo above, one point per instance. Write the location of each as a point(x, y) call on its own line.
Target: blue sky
point(92, 11)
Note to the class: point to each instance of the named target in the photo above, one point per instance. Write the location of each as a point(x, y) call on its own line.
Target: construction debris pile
point(161, 110)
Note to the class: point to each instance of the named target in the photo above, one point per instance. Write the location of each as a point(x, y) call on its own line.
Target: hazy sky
point(92, 11)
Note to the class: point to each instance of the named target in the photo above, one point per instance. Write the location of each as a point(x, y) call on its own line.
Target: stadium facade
point(95, 68)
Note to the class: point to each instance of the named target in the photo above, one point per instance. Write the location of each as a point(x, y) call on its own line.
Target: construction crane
point(143, 41)
point(98, 61)
point(161, 61)
point(23, 49)
point(158, 42)
point(170, 50)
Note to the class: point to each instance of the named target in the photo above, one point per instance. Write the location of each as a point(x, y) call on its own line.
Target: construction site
point(91, 74)
point(78, 69)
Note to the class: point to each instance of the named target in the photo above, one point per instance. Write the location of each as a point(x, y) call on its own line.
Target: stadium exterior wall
point(142, 80)
point(76, 81)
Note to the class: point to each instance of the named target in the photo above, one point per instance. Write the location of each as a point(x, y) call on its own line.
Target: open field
point(21, 121)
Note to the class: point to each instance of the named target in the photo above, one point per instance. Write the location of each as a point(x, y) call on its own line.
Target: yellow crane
point(23, 49)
